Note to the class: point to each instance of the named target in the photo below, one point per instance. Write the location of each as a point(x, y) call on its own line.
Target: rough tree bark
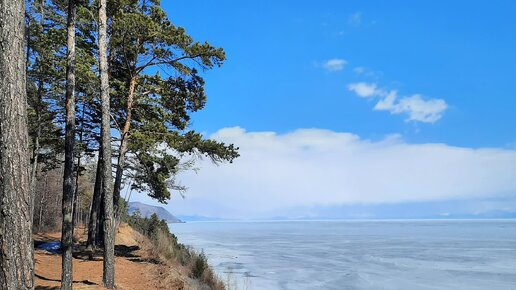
point(16, 203)
point(108, 277)
point(68, 175)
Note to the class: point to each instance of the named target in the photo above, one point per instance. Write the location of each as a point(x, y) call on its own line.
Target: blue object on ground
point(53, 247)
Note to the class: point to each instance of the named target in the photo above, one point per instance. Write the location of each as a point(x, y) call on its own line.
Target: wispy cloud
point(364, 90)
point(355, 19)
point(310, 167)
point(359, 70)
point(335, 64)
point(418, 108)
point(367, 72)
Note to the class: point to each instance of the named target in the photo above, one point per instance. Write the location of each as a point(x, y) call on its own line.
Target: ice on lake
point(450, 254)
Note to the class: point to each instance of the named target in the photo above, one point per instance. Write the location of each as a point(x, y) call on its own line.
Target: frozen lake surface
point(465, 254)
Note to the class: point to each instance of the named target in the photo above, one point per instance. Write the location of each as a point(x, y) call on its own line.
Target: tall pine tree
point(68, 178)
point(108, 277)
point(16, 252)
point(143, 42)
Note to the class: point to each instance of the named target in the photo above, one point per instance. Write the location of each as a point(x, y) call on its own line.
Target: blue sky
point(459, 51)
point(449, 67)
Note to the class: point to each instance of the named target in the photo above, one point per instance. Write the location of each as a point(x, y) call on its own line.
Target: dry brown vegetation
point(48, 198)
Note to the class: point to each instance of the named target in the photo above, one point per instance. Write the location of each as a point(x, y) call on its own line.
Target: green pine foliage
point(161, 61)
point(166, 66)
point(46, 45)
point(156, 83)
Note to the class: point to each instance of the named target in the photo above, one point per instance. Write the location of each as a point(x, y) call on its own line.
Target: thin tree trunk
point(123, 147)
point(68, 185)
point(95, 206)
point(108, 277)
point(16, 202)
point(128, 192)
point(42, 12)
point(42, 202)
point(76, 209)
point(129, 197)
point(100, 222)
point(35, 152)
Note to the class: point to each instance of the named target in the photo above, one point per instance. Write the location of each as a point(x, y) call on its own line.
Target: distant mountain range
point(200, 218)
point(368, 212)
point(147, 210)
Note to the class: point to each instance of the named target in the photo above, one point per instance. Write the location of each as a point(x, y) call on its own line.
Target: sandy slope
point(135, 266)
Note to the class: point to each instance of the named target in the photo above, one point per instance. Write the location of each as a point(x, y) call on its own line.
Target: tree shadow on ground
point(140, 260)
point(126, 251)
point(86, 282)
point(82, 253)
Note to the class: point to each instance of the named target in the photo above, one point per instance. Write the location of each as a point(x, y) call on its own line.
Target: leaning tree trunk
point(68, 180)
point(16, 203)
point(108, 277)
point(123, 147)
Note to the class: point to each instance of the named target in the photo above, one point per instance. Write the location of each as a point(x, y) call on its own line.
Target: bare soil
point(136, 266)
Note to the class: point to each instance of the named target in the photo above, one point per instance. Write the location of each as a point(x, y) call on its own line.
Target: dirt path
point(135, 268)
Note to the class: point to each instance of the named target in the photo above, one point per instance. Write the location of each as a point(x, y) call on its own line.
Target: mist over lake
point(390, 254)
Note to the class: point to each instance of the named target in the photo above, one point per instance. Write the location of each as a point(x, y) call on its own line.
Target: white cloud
point(416, 106)
point(387, 103)
point(364, 90)
point(335, 64)
point(367, 72)
point(418, 109)
point(320, 167)
point(355, 19)
point(359, 70)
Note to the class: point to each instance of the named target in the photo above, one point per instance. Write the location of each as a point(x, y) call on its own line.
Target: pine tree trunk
point(108, 277)
point(35, 152)
point(100, 222)
point(76, 207)
point(68, 176)
point(16, 203)
point(123, 147)
point(42, 202)
point(36, 149)
point(95, 206)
